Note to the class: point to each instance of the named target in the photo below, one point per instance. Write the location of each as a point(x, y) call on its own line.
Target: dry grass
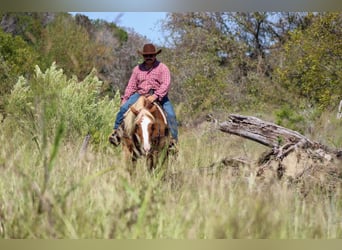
point(96, 197)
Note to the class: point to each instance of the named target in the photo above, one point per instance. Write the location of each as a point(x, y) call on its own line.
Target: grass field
point(53, 193)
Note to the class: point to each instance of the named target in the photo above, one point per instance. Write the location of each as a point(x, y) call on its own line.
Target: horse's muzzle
point(147, 151)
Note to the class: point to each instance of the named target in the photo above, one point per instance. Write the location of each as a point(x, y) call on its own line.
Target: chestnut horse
point(145, 133)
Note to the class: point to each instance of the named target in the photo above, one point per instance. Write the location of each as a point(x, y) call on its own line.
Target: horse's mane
point(130, 118)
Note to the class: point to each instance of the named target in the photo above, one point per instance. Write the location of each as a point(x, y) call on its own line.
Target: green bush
point(16, 58)
point(49, 99)
point(311, 66)
point(289, 118)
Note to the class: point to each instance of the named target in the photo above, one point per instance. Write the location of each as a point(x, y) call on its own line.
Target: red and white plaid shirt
point(157, 78)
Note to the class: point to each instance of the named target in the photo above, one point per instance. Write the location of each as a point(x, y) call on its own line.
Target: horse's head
point(144, 127)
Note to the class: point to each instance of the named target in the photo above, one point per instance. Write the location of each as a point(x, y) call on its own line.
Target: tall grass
point(96, 197)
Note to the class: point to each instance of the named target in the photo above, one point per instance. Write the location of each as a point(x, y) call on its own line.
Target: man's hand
point(151, 98)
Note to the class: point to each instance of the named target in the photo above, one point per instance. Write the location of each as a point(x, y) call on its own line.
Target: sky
point(143, 23)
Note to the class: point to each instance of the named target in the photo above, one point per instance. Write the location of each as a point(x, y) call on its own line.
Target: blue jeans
point(166, 105)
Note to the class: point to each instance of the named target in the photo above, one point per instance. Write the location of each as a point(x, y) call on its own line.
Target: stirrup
point(114, 139)
point(173, 148)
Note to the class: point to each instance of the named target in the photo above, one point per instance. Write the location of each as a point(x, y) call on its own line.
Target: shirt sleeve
point(165, 82)
point(131, 86)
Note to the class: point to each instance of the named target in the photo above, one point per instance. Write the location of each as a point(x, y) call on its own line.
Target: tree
point(312, 65)
point(221, 59)
point(69, 45)
point(197, 60)
point(28, 25)
point(16, 58)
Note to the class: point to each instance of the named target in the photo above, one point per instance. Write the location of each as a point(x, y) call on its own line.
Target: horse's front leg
point(152, 160)
point(130, 157)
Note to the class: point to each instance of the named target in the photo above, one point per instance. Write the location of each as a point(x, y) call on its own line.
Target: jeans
point(166, 105)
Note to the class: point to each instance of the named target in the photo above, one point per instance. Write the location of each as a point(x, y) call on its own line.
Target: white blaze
point(144, 127)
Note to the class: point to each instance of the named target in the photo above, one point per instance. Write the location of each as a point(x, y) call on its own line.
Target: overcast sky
point(145, 23)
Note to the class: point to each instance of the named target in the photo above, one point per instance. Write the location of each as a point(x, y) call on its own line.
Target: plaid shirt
point(157, 78)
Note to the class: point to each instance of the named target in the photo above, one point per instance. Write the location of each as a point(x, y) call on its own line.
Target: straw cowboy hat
point(149, 49)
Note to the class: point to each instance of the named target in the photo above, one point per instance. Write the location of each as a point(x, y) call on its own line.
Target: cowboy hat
point(149, 49)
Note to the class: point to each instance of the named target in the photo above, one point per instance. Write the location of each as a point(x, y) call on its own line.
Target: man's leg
point(171, 117)
point(124, 108)
point(114, 138)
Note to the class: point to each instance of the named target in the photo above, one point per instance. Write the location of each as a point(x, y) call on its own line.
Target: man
point(152, 79)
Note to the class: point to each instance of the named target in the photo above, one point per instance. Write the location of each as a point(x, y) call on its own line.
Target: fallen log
point(282, 140)
point(266, 133)
point(291, 155)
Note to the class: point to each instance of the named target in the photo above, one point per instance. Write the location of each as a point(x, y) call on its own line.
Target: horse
point(145, 133)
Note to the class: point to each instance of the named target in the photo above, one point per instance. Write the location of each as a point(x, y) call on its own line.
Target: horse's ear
point(148, 104)
point(133, 109)
point(153, 108)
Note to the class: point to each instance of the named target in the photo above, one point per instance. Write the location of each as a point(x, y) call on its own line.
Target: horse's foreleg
point(152, 161)
point(129, 158)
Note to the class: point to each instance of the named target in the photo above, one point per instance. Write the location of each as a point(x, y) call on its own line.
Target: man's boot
point(114, 138)
point(173, 147)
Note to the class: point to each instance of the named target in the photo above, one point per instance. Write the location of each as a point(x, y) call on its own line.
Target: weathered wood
point(84, 146)
point(292, 157)
point(339, 112)
point(266, 133)
point(282, 140)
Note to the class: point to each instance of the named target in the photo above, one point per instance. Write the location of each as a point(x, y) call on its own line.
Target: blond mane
point(130, 118)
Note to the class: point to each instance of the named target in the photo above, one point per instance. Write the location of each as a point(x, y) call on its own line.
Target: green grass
point(96, 197)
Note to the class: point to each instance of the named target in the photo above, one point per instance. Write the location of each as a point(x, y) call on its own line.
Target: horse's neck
point(160, 129)
point(160, 114)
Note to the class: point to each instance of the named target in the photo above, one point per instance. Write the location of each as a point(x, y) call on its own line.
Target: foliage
point(200, 79)
point(28, 25)
point(288, 117)
point(226, 61)
point(76, 44)
point(69, 45)
point(16, 58)
point(48, 99)
point(118, 32)
point(218, 61)
point(311, 66)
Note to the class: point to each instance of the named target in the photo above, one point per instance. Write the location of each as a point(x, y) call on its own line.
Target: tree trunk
point(281, 140)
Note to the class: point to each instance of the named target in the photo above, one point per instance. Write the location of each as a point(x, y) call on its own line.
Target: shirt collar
point(142, 66)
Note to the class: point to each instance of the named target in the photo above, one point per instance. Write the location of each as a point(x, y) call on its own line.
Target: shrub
point(289, 117)
point(49, 99)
